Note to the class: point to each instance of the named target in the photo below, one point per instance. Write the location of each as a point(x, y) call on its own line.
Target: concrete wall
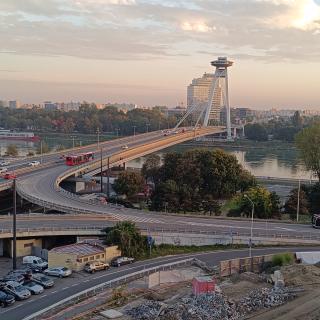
point(24, 246)
point(112, 252)
point(62, 260)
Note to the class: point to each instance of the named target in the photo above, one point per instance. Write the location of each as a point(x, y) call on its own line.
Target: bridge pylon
point(218, 96)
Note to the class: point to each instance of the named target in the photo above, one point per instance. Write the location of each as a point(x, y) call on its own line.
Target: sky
point(148, 51)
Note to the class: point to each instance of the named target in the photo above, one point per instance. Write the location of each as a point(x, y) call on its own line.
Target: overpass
point(40, 185)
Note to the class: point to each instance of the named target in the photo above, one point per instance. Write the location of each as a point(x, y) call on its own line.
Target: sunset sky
point(148, 51)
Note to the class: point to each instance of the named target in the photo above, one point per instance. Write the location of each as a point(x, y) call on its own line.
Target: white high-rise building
point(198, 94)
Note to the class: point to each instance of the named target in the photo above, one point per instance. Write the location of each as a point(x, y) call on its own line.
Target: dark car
point(17, 277)
point(43, 280)
point(6, 299)
point(25, 272)
point(33, 267)
point(120, 261)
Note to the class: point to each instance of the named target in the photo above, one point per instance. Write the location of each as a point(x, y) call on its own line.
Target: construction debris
point(212, 306)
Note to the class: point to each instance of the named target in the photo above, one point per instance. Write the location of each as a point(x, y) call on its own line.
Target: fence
point(239, 265)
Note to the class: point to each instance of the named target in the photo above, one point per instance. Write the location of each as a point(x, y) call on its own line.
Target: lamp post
point(147, 125)
point(101, 179)
point(251, 229)
point(98, 137)
point(134, 130)
point(14, 227)
point(298, 201)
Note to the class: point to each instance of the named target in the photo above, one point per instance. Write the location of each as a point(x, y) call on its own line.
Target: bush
point(234, 212)
point(282, 259)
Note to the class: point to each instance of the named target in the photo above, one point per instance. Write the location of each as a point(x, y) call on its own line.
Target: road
point(158, 221)
point(81, 281)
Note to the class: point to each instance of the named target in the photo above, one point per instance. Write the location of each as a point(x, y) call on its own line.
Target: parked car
point(125, 147)
point(26, 273)
point(6, 299)
point(94, 266)
point(34, 163)
point(33, 287)
point(60, 272)
point(17, 290)
point(3, 170)
point(36, 261)
point(120, 261)
point(16, 277)
point(4, 163)
point(10, 176)
point(43, 281)
point(33, 267)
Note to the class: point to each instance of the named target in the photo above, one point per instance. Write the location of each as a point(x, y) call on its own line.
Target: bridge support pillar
point(124, 166)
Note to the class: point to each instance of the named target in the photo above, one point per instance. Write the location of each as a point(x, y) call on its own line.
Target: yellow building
point(75, 256)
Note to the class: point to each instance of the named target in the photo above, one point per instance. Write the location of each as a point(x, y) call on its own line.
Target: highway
point(82, 281)
point(159, 221)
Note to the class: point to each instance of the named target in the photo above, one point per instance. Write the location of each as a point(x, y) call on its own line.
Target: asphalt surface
point(81, 281)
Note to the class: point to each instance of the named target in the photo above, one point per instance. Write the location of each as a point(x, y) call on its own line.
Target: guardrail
point(173, 232)
point(106, 285)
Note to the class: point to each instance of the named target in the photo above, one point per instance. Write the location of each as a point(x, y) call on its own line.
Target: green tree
point(308, 142)
point(43, 148)
point(211, 205)
point(256, 132)
point(12, 150)
point(151, 166)
point(129, 183)
point(292, 203)
point(127, 237)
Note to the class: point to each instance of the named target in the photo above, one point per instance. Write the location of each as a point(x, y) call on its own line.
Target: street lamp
point(298, 201)
point(147, 124)
point(98, 136)
point(134, 130)
point(14, 227)
point(252, 213)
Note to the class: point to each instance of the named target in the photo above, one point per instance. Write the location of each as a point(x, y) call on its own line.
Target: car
point(4, 163)
point(33, 287)
point(3, 170)
point(125, 147)
point(16, 277)
point(25, 272)
point(35, 261)
point(10, 176)
point(60, 272)
point(43, 280)
point(34, 163)
point(17, 290)
point(120, 261)
point(94, 266)
point(6, 299)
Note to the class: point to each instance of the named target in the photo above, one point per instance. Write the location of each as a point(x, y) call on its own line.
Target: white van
point(36, 261)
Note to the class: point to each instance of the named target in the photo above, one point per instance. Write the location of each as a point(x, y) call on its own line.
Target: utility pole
point(251, 229)
point(298, 201)
point(134, 130)
point(72, 142)
point(41, 151)
point(101, 180)
point(108, 178)
point(148, 124)
point(14, 247)
point(98, 137)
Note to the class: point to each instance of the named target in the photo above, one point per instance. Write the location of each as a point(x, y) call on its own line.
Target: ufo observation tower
point(218, 97)
point(220, 82)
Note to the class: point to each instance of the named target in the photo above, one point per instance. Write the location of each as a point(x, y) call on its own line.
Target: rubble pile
point(211, 306)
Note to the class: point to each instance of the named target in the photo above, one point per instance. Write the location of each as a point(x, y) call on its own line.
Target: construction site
point(283, 287)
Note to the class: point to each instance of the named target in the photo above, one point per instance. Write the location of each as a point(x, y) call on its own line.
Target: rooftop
point(81, 249)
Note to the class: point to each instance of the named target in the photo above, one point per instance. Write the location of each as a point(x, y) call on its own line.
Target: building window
point(92, 258)
point(85, 259)
point(102, 256)
point(98, 256)
point(28, 245)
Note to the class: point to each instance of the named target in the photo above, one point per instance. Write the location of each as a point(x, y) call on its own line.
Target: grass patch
point(169, 249)
point(282, 259)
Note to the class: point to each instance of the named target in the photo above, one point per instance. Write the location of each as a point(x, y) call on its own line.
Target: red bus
point(74, 160)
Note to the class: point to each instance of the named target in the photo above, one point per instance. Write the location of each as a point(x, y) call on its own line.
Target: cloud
point(154, 29)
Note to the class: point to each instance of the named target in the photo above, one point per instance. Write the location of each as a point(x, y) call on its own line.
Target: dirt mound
point(298, 274)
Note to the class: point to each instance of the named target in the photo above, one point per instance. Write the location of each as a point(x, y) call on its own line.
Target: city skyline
point(147, 52)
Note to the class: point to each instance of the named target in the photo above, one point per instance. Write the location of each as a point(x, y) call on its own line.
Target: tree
point(211, 205)
point(127, 237)
point(297, 120)
point(256, 132)
point(129, 183)
point(43, 148)
point(292, 203)
point(12, 150)
point(150, 167)
point(308, 142)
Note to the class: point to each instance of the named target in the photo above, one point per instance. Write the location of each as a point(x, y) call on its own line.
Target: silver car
point(33, 287)
point(60, 272)
point(17, 290)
